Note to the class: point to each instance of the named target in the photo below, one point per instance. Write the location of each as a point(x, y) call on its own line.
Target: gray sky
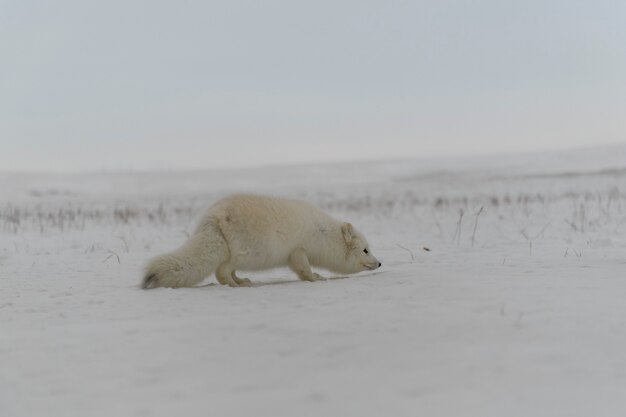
point(202, 84)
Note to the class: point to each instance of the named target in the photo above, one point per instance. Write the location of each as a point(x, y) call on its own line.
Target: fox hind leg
point(224, 275)
point(242, 282)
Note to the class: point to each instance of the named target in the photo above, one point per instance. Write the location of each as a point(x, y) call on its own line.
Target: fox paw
point(318, 277)
point(243, 282)
point(313, 277)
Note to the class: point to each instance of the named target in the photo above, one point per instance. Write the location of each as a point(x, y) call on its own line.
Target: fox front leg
point(299, 263)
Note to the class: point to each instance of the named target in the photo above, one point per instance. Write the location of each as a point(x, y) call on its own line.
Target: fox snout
point(373, 265)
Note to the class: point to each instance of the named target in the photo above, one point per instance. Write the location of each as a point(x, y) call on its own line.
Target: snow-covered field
point(502, 293)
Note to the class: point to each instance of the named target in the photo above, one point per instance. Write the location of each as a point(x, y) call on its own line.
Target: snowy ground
point(517, 309)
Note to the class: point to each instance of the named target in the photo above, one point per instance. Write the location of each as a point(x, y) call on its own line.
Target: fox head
point(358, 255)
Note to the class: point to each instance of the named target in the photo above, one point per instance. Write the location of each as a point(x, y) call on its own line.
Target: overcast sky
point(93, 85)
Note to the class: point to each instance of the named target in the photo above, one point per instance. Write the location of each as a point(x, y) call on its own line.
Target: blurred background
point(163, 85)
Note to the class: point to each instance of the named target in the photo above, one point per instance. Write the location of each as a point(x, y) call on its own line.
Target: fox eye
point(366, 251)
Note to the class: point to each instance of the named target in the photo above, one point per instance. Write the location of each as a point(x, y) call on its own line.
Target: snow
point(524, 317)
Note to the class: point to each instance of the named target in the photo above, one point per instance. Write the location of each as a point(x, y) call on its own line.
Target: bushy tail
point(188, 265)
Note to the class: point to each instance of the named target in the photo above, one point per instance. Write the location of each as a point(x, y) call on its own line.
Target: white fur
point(253, 233)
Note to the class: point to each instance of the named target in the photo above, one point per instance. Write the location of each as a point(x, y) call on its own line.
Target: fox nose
point(380, 264)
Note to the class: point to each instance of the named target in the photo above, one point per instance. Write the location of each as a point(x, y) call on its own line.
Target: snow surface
point(519, 311)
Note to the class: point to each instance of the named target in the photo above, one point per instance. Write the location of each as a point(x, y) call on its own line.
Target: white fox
point(253, 233)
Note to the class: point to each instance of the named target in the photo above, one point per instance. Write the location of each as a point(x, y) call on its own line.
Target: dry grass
point(16, 219)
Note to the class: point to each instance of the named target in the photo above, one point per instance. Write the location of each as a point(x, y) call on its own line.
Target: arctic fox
point(253, 233)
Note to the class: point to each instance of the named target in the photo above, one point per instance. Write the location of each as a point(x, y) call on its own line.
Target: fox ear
point(348, 232)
